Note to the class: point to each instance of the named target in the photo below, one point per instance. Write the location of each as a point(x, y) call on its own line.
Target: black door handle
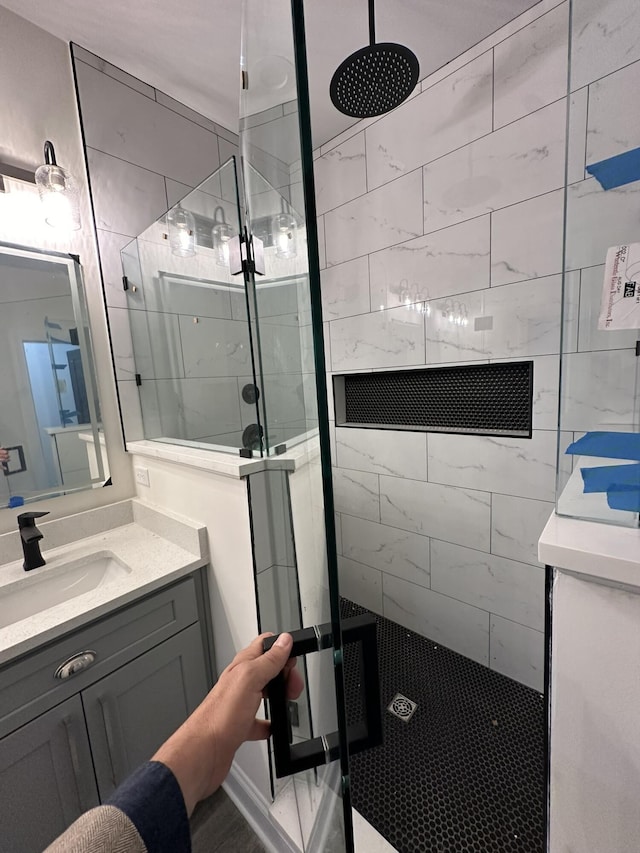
point(294, 758)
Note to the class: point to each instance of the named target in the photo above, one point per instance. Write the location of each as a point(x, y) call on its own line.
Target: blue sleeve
point(152, 800)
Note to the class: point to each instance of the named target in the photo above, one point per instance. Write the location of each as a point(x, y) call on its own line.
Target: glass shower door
point(310, 747)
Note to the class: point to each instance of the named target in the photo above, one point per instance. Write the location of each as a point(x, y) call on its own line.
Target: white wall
point(221, 504)
point(595, 691)
point(37, 102)
point(455, 199)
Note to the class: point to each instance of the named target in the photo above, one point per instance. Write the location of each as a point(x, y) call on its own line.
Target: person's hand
point(4, 455)
point(200, 753)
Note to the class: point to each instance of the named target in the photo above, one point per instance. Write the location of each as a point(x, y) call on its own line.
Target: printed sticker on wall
point(620, 307)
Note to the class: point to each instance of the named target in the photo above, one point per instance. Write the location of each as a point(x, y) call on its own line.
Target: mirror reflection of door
point(45, 414)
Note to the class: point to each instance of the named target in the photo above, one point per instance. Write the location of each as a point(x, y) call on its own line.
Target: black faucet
point(30, 537)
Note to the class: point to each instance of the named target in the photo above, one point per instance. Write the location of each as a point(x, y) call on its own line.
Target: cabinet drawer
point(29, 686)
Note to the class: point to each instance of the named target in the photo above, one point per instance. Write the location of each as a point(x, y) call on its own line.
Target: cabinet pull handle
point(76, 663)
point(111, 740)
point(75, 761)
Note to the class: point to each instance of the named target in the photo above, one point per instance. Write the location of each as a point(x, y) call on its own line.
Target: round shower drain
point(402, 707)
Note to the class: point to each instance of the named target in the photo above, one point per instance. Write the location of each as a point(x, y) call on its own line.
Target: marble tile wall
point(145, 151)
point(457, 196)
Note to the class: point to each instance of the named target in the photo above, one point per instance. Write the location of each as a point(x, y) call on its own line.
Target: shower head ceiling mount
point(376, 78)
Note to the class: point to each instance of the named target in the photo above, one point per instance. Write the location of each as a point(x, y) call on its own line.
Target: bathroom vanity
point(92, 685)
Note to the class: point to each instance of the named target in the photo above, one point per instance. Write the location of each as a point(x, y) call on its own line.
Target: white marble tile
point(390, 338)
point(157, 346)
point(284, 400)
point(110, 245)
point(121, 343)
point(453, 260)
point(531, 67)
point(589, 336)
point(214, 347)
point(338, 523)
point(119, 121)
point(598, 389)
point(345, 289)
point(322, 249)
point(453, 514)
point(209, 407)
point(526, 239)
point(614, 126)
point(340, 174)
point(511, 466)
point(597, 220)
point(456, 625)
point(516, 525)
point(130, 410)
point(384, 451)
point(546, 378)
point(112, 71)
point(605, 37)
point(397, 552)
point(280, 348)
point(518, 652)
point(451, 113)
point(356, 493)
point(380, 218)
point(511, 321)
point(577, 147)
point(505, 587)
point(360, 584)
point(170, 294)
point(519, 161)
point(126, 198)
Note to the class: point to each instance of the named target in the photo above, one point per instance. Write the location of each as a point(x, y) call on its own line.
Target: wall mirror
point(49, 409)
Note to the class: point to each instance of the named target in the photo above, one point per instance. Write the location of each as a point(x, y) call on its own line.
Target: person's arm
point(149, 812)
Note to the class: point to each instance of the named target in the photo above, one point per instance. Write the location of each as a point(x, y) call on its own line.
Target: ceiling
point(191, 49)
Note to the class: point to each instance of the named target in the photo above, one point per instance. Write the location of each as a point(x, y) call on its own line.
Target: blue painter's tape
point(609, 445)
point(606, 477)
point(617, 171)
point(625, 499)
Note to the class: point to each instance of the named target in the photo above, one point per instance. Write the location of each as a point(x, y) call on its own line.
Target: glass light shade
point(59, 197)
point(221, 234)
point(182, 232)
point(285, 235)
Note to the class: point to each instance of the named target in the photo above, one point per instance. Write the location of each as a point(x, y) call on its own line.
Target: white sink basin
point(44, 588)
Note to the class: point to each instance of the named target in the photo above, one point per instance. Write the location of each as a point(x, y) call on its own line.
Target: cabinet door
point(46, 778)
point(132, 711)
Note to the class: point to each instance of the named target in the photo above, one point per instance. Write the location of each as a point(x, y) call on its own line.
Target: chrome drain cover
point(402, 708)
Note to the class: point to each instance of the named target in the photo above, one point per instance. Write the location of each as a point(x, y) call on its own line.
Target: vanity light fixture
point(182, 232)
point(221, 234)
point(58, 193)
point(285, 232)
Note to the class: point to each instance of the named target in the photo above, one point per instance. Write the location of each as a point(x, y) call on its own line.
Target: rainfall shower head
point(374, 79)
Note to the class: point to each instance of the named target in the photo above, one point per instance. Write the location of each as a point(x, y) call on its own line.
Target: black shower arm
point(372, 22)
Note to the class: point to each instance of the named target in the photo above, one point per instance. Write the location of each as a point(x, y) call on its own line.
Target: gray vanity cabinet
point(65, 743)
point(46, 778)
point(131, 712)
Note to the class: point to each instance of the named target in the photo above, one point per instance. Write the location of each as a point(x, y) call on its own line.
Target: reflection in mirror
point(49, 414)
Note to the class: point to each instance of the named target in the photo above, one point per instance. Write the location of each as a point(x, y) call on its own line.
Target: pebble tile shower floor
point(466, 773)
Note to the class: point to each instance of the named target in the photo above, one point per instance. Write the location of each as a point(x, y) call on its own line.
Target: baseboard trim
point(254, 808)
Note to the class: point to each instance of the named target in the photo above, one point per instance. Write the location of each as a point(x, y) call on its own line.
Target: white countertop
point(603, 551)
point(153, 559)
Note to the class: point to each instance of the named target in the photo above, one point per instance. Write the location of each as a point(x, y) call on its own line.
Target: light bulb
point(182, 232)
point(59, 197)
point(221, 234)
point(285, 235)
